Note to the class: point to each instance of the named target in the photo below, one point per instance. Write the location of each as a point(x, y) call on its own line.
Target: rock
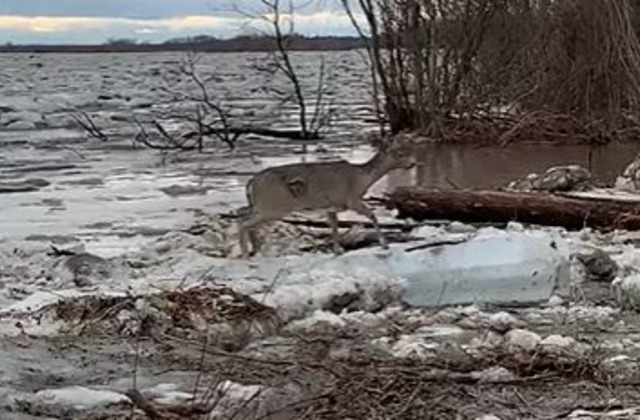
point(599, 266)
point(630, 179)
point(563, 178)
point(520, 339)
point(558, 178)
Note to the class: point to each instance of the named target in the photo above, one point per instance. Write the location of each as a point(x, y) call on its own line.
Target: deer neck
point(374, 169)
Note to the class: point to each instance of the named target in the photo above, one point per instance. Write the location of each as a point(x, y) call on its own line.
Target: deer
point(332, 186)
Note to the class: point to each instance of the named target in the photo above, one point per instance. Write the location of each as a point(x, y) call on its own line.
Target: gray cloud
point(95, 21)
point(138, 9)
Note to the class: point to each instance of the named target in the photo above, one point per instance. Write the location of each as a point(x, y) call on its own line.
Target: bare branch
point(89, 126)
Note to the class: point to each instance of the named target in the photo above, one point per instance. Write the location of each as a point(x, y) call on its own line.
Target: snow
point(627, 291)
point(408, 346)
point(503, 321)
point(439, 331)
point(77, 397)
point(556, 341)
point(316, 289)
point(234, 392)
point(167, 394)
point(40, 299)
point(317, 319)
point(581, 414)
point(494, 374)
point(520, 339)
point(618, 194)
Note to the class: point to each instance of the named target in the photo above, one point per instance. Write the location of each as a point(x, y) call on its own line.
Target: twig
point(143, 404)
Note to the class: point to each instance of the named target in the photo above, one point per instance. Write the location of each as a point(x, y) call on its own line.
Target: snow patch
point(77, 397)
point(520, 339)
point(295, 301)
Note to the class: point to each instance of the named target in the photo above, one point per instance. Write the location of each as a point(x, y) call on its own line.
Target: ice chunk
point(503, 322)
point(515, 268)
point(557, 342)
point(493, 267)
point(78, 397)
point(22, 125)
point(627, 291)
point(522, 339)
point(494, 374)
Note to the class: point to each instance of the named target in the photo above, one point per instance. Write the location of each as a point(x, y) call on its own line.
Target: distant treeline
point(201, 43)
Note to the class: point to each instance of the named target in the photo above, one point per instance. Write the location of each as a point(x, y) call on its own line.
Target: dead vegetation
point(218, 313)
point(329, 371)
point(406, 390)
point(506, 71)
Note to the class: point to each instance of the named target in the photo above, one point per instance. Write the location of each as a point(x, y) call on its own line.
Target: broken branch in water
point(89, 126)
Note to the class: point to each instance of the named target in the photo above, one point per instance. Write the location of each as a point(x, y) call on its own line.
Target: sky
point(96, 21)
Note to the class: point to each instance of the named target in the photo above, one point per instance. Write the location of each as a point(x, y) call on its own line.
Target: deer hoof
point(338, 250)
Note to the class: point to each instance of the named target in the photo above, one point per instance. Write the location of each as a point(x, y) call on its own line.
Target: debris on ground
point(219, 314)
point(629, 180)
point(180, 331)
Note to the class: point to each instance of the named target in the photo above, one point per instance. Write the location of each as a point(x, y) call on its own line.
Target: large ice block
point(507, 268)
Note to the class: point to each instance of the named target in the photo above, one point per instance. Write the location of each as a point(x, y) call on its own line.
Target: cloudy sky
point(95, 21)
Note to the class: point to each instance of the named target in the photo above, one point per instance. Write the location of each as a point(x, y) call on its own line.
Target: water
point(113, 197)
point(487, 167)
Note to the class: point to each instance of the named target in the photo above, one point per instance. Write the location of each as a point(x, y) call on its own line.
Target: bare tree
point(500, 70)
point(282, 28)
point(422, 54)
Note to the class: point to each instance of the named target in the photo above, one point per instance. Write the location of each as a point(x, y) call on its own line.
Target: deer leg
point(242, 233)
point(256, 244)
point(246, 230)
point(333, 221)
point(360, 207)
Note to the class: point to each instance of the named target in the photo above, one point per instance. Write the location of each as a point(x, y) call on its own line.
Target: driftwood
point(477, 206)
point(324, 224)
point(294, 134)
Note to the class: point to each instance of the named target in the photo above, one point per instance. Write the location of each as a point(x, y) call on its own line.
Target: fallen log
point(292, 134)
point(478, 206)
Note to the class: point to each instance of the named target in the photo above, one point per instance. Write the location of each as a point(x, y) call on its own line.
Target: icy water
point(117, 198)
point(114, 196)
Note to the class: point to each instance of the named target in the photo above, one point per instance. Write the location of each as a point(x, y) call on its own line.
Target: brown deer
point(332, 186)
